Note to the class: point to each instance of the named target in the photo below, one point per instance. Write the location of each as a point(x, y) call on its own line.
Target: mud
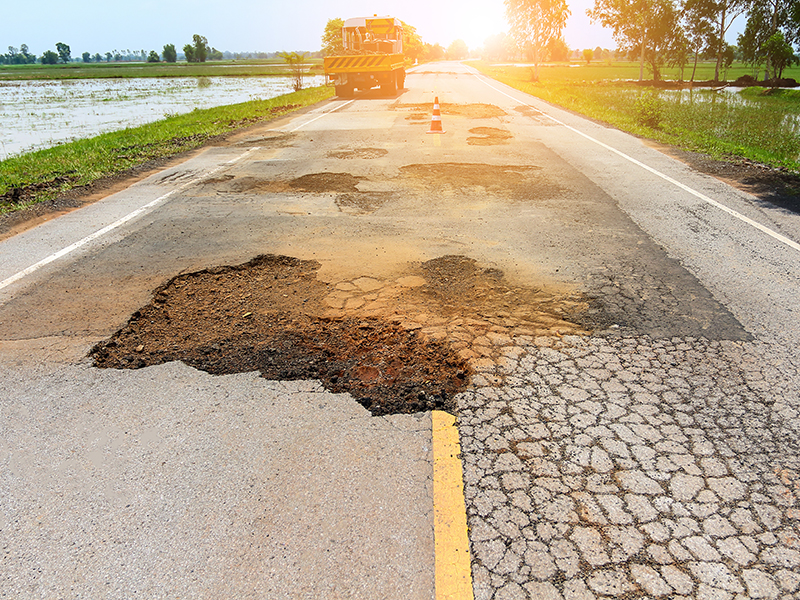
point(488, 136)
point(400, 346)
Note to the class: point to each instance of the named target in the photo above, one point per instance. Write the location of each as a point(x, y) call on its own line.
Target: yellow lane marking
point(453, 570)
point(437, 140)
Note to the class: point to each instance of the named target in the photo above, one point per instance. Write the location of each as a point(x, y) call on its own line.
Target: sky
point(256, 25)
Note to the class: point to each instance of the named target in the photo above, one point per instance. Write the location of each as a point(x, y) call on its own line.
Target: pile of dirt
point(265, 315)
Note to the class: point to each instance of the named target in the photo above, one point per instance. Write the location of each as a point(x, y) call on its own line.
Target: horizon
point(80, 26)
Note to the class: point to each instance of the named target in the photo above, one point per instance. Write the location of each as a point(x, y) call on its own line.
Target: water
point(41, 114)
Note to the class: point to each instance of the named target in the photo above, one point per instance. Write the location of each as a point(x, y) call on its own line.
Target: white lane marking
point(325, 114)
point(774, 234)
point(119, 222)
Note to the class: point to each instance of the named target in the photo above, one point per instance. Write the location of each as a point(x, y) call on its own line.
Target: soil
point(399, 346)
point(421, 113)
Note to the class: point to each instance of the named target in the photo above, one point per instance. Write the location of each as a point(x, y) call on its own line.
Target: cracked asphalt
point(631, 428)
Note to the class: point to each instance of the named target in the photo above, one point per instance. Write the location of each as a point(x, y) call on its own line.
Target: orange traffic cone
point(436, 119)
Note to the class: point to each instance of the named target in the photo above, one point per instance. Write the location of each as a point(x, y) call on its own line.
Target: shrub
point(649, 111)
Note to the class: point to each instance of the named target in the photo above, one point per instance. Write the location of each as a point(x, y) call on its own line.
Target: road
point(630, 429)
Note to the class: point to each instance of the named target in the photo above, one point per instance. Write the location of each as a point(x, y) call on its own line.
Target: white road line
point(774, 234)
point(325, 114)
point(119, 222)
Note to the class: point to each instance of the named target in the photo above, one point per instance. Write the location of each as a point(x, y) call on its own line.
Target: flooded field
point(40, 114)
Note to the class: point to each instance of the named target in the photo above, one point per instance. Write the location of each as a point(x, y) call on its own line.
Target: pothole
point(520, 182)
point(363, 153)
point(473, 111)
point(398, 346)
point(488, 136)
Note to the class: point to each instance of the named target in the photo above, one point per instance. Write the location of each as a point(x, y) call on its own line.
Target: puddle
point(403, 345)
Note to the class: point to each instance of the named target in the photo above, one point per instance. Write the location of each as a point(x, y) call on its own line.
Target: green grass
point(261, 68)
point(45, 174)
point(757, 124)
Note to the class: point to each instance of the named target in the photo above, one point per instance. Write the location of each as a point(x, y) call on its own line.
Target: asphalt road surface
point(630, 430)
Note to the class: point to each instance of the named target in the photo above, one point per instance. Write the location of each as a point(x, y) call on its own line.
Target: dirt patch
point(363, 202)
point(517, 182)
point(488, 136)
point(536, 116)
point(363, 153)
point(398, 346)
point(326, 182)
point(472, 111)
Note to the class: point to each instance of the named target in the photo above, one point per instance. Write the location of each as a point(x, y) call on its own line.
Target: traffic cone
point(436, 119)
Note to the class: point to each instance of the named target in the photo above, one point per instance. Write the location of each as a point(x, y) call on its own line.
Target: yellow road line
point(453, 571)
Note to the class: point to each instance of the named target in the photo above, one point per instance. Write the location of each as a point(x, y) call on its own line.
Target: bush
point(649, 111)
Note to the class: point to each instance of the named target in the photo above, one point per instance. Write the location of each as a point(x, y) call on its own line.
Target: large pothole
point(402, 345)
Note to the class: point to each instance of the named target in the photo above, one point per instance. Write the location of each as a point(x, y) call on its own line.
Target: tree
point(63, 52)
point(588, 55)
point(725, 12)
point(200, 48)
point(413, 46)
point(214, 54)
point(698, 18)
point(188, 51)
point(557, 50)
point(332, 37)
point(457, 50)
point(109, 56)
point(534, 23)
point(779, 53)
point(49, 58)
point(86, 57)
point(153, 57)
point(97, 58)
point(433, 52)
point(644, 27)
point(765, 19)
point(169, 54)
point(295, 61)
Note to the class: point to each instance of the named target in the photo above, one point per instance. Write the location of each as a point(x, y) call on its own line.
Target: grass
point(43, 175)
point(757, 124)
point(254, 68)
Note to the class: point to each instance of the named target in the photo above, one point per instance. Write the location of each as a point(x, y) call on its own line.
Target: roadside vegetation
point(43, 175)
point(760, 124)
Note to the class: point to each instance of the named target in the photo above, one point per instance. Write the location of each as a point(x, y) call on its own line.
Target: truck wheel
point(344, 91)
point(390, 87)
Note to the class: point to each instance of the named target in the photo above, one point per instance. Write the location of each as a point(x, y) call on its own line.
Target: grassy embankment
point(757, 124)
point(254, 68)
point(43, 175)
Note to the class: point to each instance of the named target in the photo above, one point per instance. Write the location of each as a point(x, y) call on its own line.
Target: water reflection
point(40, 114)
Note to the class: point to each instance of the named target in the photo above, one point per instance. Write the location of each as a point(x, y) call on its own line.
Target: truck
point(373, 55)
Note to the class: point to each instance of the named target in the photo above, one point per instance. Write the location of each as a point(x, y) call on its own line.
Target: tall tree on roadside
point(332, 37)
point(534, 23)
point(188, 51)
point(49, 58)
point(169, 54)
point(764, 20)
point(644, 27)
point(413, 46)
point(698, 19)
point(724, 14)
point(63, 52)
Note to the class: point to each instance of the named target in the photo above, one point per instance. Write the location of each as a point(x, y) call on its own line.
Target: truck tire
point(390, 86)
point(344, 91)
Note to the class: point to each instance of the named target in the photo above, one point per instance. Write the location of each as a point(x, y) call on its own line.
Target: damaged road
point(227, 391)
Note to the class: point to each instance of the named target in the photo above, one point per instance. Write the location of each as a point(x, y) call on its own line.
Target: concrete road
point(657, 456)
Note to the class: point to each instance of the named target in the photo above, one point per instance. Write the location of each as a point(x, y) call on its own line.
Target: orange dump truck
point(373, 55)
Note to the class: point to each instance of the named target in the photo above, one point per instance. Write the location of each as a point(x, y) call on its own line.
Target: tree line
point(671, 32)
point(198, 51)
